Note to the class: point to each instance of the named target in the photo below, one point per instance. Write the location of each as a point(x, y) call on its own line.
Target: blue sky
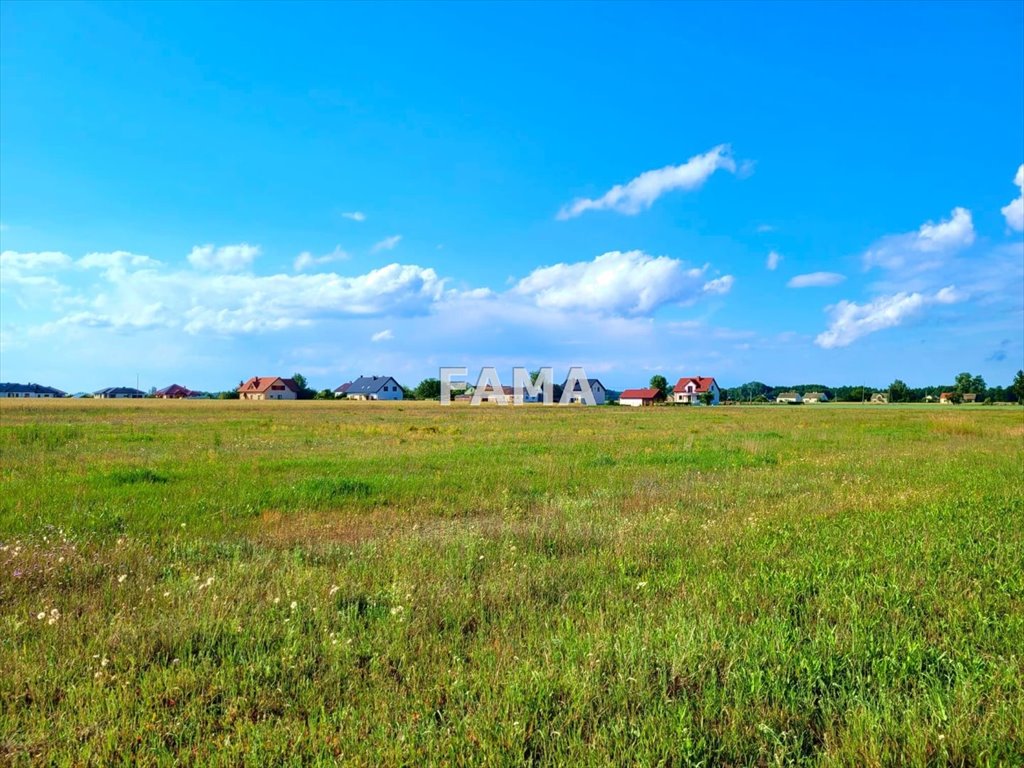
point(198, 193)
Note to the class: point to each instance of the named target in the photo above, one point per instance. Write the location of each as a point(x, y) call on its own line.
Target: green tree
point(899, 392)
point(978, 385)
point(964, 382)
point(305, 393)
point(707, 398)
point(428, 389)
point(659, 382)
point(1018, 386)
point(324, 394)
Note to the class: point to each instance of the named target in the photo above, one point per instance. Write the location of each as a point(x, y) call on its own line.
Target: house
point(374, 388)
point(119, 392)
point(947, 398)
point(268, 388)
point(970, 397)
point(880, 398)
point(640, 397)
point(29, 390)
point(342, 391)
point(174, 392)
point(690, 390)
point(490, 395)
point(815, 397)
point(789, 398)
point(576, 396)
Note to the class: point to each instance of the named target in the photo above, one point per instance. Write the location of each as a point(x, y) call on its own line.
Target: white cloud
point(772, 262)
point(386, 244)
point(1014, 210)
point(850, 321)
point(355, 215)
point(385, 335)
point(46, 261)
point(927, 248)
point(816, 280)
point(306, 259)
point(640, 193)
point(116, 261)
point(227, 258)
point(720, 285)
point(619, 282)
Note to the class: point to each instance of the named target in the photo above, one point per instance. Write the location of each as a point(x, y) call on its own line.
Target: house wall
point(633, 402)
point(25, 394)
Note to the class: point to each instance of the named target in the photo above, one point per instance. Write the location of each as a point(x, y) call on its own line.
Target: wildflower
point(294, 605)
point(54, 617)
point(41, 615)
point(121, 578)
point(334, 588)
point(641, 584)
point(277, 600)
point(206, 583)
point(104, 661)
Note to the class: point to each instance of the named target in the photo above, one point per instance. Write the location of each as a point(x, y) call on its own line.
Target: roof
point(788, 395)
point(175, 389)
point(264, 383)
point(576, 384)
point(344, 387)
point(947, 394)
point(113, 391)
point(640, 394)
point(815, 395)
point(36, 389)
point(368, 385)
point(701, 383)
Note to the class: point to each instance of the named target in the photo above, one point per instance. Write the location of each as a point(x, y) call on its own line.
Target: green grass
point(262, 583)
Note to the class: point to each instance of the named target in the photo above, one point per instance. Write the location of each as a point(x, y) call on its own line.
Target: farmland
point(401, 583)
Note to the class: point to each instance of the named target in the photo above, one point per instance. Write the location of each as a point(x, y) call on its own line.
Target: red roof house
point(639, 397)
point(689, 389)
point(268, 388)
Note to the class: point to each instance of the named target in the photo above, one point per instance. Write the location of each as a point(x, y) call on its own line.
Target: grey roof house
point(374, 388)
point(8, 389)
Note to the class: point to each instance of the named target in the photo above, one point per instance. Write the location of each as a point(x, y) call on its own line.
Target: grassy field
point(263, 583)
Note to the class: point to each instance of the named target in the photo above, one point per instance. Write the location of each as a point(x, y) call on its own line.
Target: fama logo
point(525, 389)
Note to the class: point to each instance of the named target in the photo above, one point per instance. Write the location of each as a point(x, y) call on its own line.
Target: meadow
point(241, 583)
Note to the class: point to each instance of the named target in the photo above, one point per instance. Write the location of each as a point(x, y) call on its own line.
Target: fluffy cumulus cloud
point(387, 244)
point(226, 258)
point(32, 270)
point(630, 282)
point(927, 248)
point(850, 321)
point(1014, 210)
point(640, 193)
point(816, 280)
point(772, 262)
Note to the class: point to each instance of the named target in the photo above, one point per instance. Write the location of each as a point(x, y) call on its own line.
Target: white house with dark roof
point(789, 398)
point(29, 390)
point(119, 393)
point(374, 388)
point(576, 396)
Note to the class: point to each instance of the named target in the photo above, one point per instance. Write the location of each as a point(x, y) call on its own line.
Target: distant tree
point(707, 398)
point(324, 394)
point(956, 398)
point(305, 393)
point(899, 392)
point(409, 394)
point(857, 395)
point(228, 394)
point(760, 399)
point(428, 389)
point(1017, 388)
point(964, 382)
point(978, 385)
point(659, 382)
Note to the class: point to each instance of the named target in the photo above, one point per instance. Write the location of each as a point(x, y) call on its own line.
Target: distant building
point(971, 397)
point(29, 390)
point(947, 398)
point(640, 397)
point(268, 388)
point(489, 395)
point(689, 390)
point(576, 396)
point(789, 398)
point(815, 397)
point(374, 388)
point(880, 398)
point(174, 392)
point(119, 393)
point(342, 391)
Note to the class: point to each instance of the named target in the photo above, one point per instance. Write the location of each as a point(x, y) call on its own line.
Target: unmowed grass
point(235, 583)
